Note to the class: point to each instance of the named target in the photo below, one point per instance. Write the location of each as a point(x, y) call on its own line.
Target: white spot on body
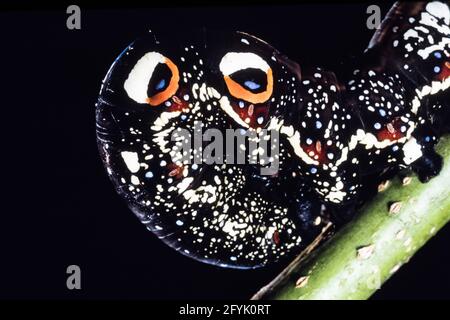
point(135, 180)
point(412, 151)
point(131, 160)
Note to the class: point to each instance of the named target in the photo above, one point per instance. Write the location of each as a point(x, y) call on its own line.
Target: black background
point(58, 206)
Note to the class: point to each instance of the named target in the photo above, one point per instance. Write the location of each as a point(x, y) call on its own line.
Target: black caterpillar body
point(386, 113)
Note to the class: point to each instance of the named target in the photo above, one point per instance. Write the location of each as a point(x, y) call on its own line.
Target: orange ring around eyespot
point(171, 89)
point(239, 92)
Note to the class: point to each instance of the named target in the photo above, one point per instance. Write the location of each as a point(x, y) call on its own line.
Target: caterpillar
point(386, 112)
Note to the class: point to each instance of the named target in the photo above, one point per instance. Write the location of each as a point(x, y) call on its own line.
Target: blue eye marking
point(252, 85)
point(437, 55)
point(160, 84)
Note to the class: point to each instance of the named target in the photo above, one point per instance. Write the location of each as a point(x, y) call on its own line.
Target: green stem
point(371, 248)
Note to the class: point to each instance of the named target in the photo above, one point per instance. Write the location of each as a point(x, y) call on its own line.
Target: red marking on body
point(178, 105)
point(445, 71)
point(391, 131)
point(316, 151)
point(276, 237)
point(252, 112)
point(175, 170)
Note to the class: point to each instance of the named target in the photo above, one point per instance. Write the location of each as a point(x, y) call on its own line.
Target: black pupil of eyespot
point(253, 80)
point(160, 79)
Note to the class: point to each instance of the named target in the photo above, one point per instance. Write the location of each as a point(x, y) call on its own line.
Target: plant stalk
point(365, 253)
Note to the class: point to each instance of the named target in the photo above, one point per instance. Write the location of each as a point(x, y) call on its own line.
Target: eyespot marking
point(141, 84)
point(240, 70)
